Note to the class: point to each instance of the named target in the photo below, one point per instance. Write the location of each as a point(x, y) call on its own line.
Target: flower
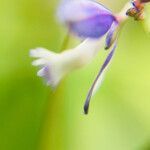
point(55, 66)
point(92, 22)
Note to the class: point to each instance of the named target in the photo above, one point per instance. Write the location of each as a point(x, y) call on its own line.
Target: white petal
point(40, 53)
point(56, 66)
point(41, 72)
point(83, 53)
point(39, 62)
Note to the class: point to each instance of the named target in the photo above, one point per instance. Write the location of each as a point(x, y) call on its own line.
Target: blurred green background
point(32, 117)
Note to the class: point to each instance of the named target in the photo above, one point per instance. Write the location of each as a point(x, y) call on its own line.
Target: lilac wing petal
point(104, 66)
point(86, 18)
point(93, 27)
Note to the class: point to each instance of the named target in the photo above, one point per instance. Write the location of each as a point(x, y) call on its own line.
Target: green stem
point(65, 41)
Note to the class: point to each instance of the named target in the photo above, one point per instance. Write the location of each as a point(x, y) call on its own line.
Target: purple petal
point(86, 18)
point(94, 27)
point(106, 63)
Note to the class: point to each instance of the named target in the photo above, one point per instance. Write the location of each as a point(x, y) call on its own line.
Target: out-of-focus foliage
point(32, 117)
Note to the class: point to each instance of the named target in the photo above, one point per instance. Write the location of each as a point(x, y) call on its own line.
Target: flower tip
point(86, 108)
point(31, 52)
point(86, 112)
point(49, 67)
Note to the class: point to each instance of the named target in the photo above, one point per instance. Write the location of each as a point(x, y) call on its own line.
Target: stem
point(121, 16)
point(65, 41)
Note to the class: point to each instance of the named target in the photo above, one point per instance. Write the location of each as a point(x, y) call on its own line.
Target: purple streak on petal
point(107, 61)
point(46, 73)
point(86, 18)
point(110, 35)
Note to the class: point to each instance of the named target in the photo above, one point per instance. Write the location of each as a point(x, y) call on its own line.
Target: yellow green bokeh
point(33, 117)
